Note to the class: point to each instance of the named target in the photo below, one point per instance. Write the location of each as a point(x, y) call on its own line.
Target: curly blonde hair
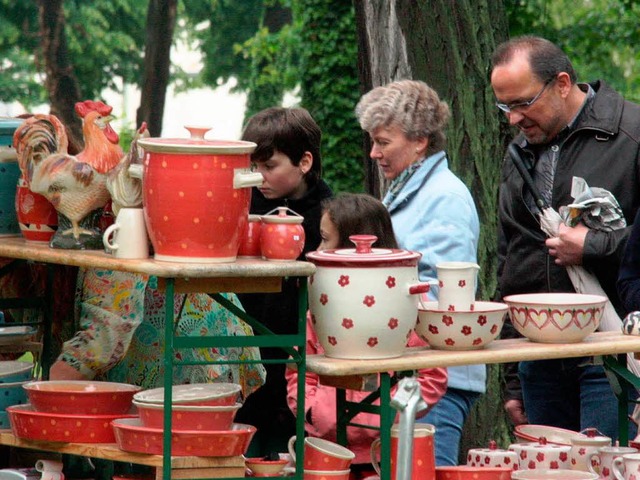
point(412, 105)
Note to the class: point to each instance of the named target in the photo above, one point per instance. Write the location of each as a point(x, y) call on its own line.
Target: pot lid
point(364, 255)
point(196, 144)
point(591, 437)
point(282, 216)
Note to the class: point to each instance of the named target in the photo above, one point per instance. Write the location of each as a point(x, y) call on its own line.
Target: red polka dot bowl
point(62, 427)
point(81, 397)
point(132, 436)
point(188, 417)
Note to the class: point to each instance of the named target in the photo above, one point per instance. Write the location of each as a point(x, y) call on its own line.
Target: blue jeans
point(448, 416)
point(561, 393)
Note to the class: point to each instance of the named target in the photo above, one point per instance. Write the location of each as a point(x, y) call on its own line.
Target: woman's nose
point(375, 152)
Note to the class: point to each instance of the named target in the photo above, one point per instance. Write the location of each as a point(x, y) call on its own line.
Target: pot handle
point(243, 178)
point(135, 170)
point(422, 287)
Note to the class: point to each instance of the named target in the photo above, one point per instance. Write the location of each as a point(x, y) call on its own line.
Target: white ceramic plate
point(16, 334)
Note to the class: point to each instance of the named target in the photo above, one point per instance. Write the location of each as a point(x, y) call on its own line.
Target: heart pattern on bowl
point(561, 319)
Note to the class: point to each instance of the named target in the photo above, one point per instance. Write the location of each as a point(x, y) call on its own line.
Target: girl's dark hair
point(359, 213)
point(291, 131)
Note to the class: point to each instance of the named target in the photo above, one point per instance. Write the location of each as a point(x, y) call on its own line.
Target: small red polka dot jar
point(363, 300)
point(282, 235)
point(196, 195)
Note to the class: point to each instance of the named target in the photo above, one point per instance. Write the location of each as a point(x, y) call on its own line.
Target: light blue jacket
point(434, 214)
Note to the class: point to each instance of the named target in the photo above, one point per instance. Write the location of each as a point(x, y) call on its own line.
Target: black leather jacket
point(604, 149)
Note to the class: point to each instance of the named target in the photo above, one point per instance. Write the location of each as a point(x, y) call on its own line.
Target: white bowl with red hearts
point(460, 330)
point(555, 317)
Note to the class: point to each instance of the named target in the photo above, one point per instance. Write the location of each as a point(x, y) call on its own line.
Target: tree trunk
point(161, 20)
point(60, 80)
point(448, 44)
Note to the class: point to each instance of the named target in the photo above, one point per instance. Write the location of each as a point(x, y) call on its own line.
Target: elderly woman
point(432, 213)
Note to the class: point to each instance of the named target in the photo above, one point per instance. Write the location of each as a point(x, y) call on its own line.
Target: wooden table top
point(498, 351)
point(16, 247)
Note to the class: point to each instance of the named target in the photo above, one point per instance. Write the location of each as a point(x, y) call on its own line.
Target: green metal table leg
point(168, 376)
point(387, 415)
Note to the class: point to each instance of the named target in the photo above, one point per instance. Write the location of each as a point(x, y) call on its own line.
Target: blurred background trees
point(327, 53)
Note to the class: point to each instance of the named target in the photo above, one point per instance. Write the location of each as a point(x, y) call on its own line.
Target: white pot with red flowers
point(363, 300)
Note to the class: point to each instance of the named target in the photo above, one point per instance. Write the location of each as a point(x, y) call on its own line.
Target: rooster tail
point(37, 138)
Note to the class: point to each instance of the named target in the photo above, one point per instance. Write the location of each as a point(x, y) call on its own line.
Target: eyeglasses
point(515, 107)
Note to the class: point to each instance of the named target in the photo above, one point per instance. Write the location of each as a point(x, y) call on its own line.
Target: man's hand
point(568, 245)
point(515, 411)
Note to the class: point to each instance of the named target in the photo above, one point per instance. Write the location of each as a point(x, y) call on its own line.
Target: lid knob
point(493, 445)
point(197, 133)
point(363, 243)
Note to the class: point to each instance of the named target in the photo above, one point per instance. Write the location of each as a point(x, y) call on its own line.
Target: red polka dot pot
point(196, 195)
point(363, 300)
point(282, 236)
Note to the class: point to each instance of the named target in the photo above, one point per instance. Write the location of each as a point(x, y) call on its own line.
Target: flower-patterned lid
point(363, 255)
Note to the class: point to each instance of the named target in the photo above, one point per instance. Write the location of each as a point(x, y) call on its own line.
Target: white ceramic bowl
point(448, 330)
point(555, 317)
point(210, 394)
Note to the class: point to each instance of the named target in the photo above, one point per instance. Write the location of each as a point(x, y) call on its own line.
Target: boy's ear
point(306, 162)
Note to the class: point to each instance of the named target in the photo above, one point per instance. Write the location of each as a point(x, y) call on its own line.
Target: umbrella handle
point(514, 153)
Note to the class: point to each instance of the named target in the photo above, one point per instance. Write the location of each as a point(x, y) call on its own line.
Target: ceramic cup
point(582, 451)
point(626, 467)
point(326, 474)
point(129, 235)
point(492, 457)
point(321, 454)
point(457, 282)
point(605, 457)
point(423, 456)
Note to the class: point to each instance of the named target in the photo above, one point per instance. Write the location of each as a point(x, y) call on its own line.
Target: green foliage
point(600, 36)
point(105, 40)
point(330, 87)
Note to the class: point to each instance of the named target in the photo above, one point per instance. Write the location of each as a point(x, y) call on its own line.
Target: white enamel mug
point(129, 235)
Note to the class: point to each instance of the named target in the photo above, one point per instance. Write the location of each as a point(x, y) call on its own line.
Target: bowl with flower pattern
point(460, 330)
point(556, 317)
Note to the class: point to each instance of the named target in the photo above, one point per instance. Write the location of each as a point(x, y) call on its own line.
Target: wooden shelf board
point(112, 452)
point(498, 351)
point(18, 248)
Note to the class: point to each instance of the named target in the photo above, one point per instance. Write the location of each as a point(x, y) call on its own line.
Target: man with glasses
point(566, 129)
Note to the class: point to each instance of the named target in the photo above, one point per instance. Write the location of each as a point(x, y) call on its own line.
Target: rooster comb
point(82, 108)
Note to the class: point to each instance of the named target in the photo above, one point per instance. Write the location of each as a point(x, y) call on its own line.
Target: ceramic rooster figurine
point(126, 189)
point(75, 185)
